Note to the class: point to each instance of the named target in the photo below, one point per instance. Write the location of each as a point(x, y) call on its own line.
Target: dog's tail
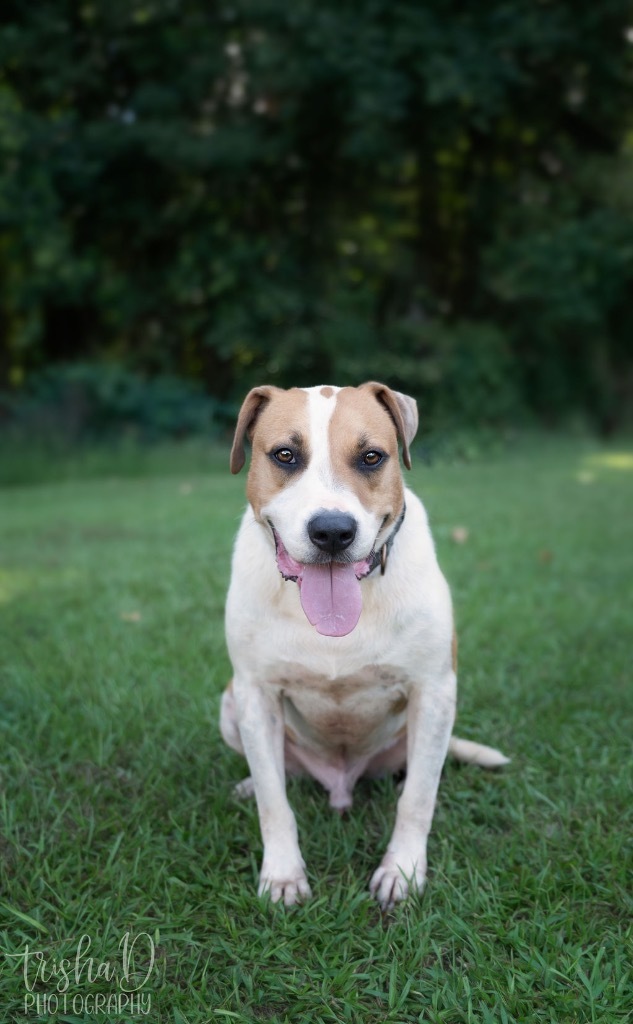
point(476, 753)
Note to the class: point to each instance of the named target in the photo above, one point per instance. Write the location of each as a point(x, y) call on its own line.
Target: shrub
point(87, 402)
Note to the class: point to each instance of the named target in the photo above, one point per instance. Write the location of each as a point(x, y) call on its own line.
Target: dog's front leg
point(431, 712)
point(261, 726)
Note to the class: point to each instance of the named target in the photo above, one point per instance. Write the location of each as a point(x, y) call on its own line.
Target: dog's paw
point(244, 790)
point(396, 878)
point(288, 886)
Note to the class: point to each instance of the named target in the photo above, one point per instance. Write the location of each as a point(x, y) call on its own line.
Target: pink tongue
point(331, 597)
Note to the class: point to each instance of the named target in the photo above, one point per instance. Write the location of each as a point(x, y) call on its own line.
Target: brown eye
point(285, 456)
point(372, 458)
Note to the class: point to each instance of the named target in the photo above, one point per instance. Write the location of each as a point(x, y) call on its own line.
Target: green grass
point(52, 460)
point(115, 789)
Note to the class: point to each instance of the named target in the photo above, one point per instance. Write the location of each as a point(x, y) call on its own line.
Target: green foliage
point(567, 290)
point(291, 192)
point(84, 403)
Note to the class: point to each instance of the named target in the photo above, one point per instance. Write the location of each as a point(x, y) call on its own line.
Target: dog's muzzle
point(329, 590)
point(329, 586)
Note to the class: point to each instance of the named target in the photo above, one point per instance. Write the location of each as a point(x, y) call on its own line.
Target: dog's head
point(325, 480)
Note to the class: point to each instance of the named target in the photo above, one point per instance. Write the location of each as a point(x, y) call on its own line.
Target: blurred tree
point(310, 191)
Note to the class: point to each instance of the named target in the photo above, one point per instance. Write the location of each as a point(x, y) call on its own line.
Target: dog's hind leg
point(476, 753)
point(243, 790)
point(228, 721)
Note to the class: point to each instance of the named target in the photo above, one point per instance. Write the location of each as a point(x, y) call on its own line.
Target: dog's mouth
point(330, 591)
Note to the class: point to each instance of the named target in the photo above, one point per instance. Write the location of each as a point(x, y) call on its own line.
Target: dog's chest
point(359, 711)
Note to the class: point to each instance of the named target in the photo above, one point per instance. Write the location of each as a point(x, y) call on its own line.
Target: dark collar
point(379, 558)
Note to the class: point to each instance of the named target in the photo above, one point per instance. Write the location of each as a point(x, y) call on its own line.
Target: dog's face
point(325, 480)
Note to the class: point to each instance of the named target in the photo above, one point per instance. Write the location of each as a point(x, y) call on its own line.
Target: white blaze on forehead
point(321, 405)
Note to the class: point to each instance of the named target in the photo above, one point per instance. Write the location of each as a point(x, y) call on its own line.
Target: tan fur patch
point(399, 705)
point(326, 392)
point(345, 710)
point(359, 424)
point(282, 423)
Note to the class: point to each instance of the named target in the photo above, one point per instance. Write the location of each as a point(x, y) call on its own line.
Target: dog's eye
point(372, 458)
point(285, 456)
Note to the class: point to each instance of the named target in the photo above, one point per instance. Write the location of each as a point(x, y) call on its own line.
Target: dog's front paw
point(396, 877)
point(283, 875)
point(284, 882)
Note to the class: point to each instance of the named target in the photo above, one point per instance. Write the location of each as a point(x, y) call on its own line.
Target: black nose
point(332, 531)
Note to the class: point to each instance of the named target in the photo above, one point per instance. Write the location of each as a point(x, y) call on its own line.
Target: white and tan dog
point(339, 624)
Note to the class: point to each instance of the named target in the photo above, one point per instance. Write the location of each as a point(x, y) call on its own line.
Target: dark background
point(198, 197)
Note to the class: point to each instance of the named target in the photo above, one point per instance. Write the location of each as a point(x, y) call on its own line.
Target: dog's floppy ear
point(251, 408)
point(403, 411)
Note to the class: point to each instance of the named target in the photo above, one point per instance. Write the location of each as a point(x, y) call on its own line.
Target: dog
point(339, 624)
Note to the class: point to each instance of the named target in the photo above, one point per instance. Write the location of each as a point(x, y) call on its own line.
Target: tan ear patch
point(251, 407)
point(282, 422)
point(403, 410)
point(358, 424)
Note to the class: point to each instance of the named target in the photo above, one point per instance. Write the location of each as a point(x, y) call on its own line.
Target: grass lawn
point(116, 813)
